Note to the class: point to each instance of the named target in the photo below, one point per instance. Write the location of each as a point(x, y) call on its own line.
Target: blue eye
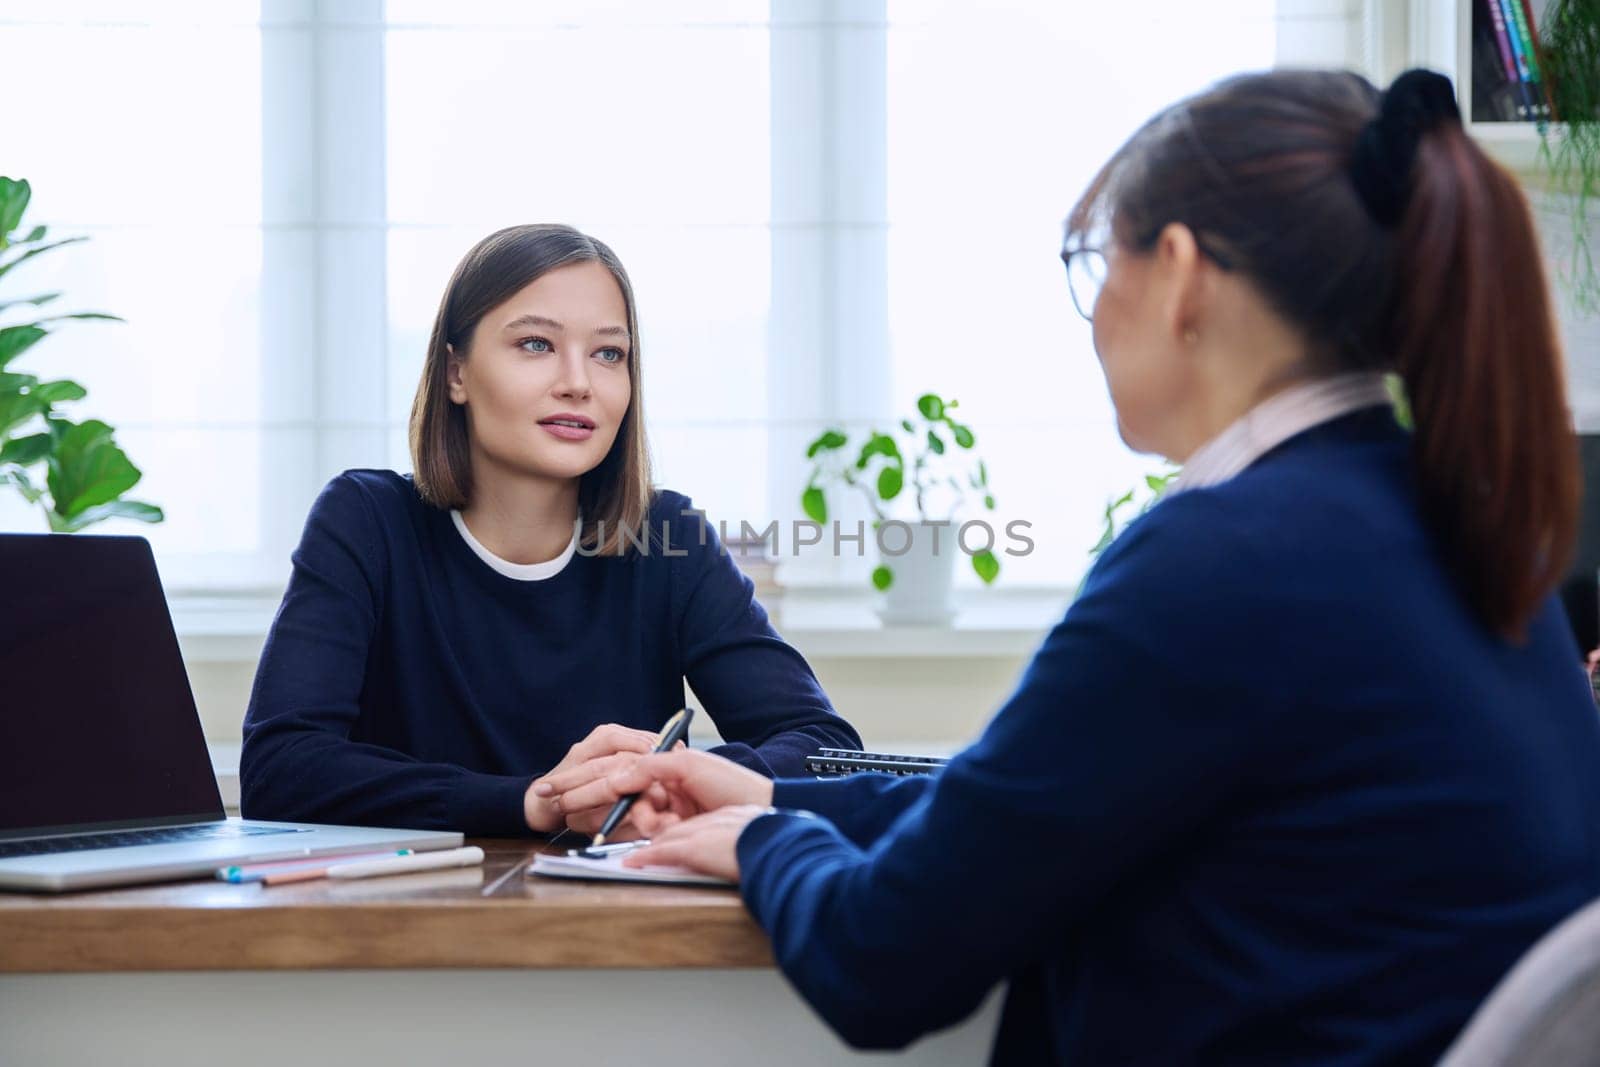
point(523, 344)
point(612, 355)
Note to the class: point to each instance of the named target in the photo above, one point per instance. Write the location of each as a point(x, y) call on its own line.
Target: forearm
point(312, 776)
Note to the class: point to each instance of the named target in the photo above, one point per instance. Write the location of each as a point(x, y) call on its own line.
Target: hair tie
point(1415, 103)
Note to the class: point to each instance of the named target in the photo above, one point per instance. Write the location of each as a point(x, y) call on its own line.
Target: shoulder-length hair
point(613, 497)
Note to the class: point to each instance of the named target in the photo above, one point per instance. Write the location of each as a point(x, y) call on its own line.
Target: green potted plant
point(85, 473)
point(928, 464)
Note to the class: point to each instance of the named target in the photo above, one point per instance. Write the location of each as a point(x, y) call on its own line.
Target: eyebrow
point(522, 321)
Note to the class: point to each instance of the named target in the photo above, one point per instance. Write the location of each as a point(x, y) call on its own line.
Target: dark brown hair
point(615, 496)
point(1452, 295)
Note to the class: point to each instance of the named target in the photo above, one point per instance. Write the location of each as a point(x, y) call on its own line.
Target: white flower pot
point(924, 575)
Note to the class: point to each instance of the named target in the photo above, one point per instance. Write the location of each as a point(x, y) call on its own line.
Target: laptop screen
point(98, 727)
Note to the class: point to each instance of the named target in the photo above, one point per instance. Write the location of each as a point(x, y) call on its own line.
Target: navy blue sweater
point(405, 682)
point(1268, 794)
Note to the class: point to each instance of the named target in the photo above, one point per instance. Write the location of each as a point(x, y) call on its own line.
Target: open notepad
point(610, 869)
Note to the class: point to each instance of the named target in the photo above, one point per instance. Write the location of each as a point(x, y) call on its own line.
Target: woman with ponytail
point(1310, 761)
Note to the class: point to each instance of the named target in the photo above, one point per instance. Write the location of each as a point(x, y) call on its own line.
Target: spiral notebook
point(610, 869)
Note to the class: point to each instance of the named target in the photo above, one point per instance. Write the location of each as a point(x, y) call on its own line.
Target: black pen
point(675, 730)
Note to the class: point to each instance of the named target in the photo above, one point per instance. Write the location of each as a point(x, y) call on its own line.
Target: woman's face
point(545, 380)
point(1138, 344)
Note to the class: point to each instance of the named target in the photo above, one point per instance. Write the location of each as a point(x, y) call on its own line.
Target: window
point(826, 208)
point(998, 119)
point(143, 133)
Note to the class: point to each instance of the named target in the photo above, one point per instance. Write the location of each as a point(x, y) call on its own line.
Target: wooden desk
point(470, 917)
point(475, 965)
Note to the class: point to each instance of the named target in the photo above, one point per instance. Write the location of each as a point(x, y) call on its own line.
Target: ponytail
point(1473, 336)
point(1375, 225)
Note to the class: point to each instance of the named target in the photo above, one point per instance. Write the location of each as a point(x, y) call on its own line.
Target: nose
point(573, 380)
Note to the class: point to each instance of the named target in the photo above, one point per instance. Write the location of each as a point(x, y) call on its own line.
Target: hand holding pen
point(557, 786)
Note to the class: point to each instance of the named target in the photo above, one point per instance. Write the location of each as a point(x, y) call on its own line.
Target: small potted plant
point(929, 464)
point(85, 473)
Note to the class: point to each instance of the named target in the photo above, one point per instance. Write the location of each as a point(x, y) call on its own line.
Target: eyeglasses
point(1086, 273)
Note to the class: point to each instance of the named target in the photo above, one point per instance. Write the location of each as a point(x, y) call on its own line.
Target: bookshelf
point(1515, 144)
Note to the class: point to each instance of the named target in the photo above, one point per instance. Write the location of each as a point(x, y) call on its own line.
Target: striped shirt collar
point(1275, 420)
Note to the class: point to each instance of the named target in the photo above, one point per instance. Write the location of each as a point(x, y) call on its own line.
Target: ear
point(452, 375)
point(1182, 276)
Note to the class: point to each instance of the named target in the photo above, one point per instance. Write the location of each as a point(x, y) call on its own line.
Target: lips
point(568, 427)
point(578, 422)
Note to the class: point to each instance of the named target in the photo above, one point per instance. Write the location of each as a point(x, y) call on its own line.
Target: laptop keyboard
point(123, 838)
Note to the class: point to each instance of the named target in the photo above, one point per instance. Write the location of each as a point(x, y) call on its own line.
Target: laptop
point(104, 774)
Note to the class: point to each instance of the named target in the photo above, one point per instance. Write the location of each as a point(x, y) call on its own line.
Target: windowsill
point(820, 622)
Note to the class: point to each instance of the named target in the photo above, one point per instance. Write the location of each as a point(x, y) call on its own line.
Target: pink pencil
point(258, 872)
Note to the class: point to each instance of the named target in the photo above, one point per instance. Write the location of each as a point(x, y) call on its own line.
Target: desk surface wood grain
point(489, 916)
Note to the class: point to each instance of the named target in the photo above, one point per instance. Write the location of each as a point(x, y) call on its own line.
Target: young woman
point(523, 602)
point(1308, 763)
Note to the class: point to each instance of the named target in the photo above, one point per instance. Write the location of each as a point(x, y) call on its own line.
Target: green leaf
point(14, 196)
point(41, 249)
point(34, 301)
point(988, 502)
point(1398, 400)
point(16, 409)
point(87, 468)
point(814, 504)
point(14, 340)
point(890, 482)
point(24, 451)
point(931, 406)
point(905, 424)
point(98, 316)
point(116, 509)
point(882, 578)
point(35, 234)
point(25, 486)
point(829, 440)
point(60, 392)
point(983, 473)
point(986, 565)
point(878, 445)
point(936, 443)
point(963, 435)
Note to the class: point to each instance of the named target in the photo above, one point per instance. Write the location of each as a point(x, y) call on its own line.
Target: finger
point(609, 737)
point(686, 828)
point(651, 821)
point(596, 794)
point(668, 768)
point(558, 783)
point(663, 854)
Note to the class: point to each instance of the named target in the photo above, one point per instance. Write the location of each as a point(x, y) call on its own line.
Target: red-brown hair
point(1452, 296)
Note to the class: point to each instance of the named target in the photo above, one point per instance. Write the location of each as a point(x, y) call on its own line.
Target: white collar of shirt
point(1275, 420)
point(522, 572)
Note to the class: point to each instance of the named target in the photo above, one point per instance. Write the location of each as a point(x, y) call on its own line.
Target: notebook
point(610, 869)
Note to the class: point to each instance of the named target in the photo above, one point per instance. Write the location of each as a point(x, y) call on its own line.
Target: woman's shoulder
point(678, 530)
point(363, 496)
